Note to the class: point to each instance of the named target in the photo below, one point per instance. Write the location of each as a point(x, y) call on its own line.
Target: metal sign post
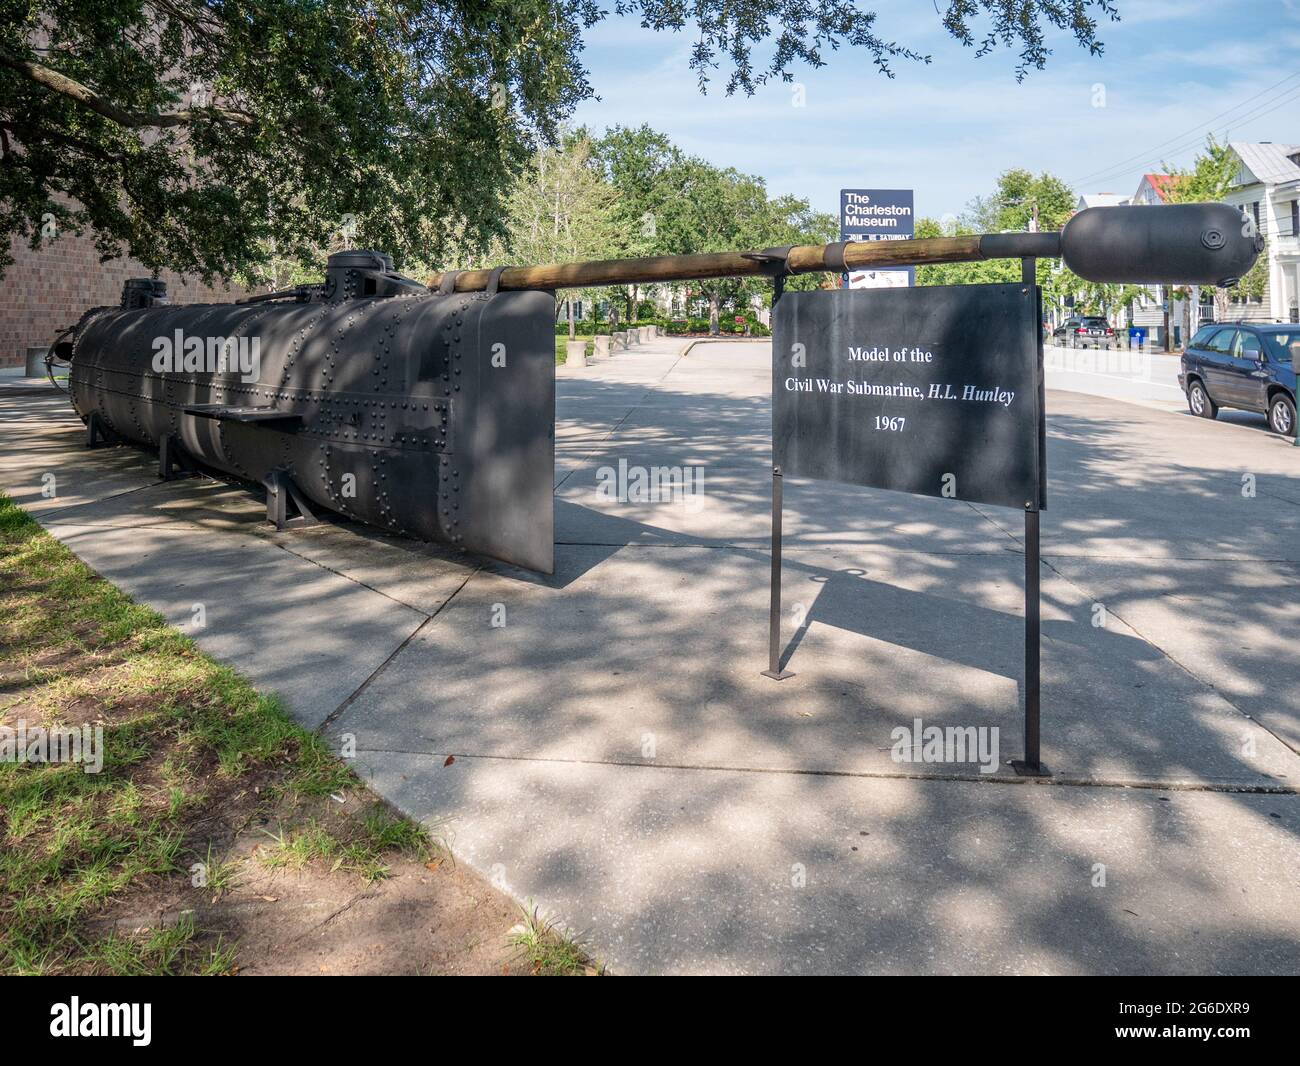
point(774, 670)
point(934, 391)
point(1031, 765)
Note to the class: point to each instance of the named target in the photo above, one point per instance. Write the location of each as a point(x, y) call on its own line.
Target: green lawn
point(184, 739)
point(194, 759)
point(560, 342)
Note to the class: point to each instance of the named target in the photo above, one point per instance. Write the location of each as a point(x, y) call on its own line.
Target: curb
point(721, 340)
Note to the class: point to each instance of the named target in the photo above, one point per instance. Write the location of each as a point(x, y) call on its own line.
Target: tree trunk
point(573, 330)
point(714, 301)
point(1221, 304)
point(632, 315)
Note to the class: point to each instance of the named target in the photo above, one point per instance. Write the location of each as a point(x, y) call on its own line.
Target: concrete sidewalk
point(619, 759)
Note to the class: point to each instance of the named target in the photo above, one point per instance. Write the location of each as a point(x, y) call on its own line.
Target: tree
point(1212, 174)
point(1021, 201)
point(637, 164)
point(717, 209)
point(197, 135)
point(669, 204)
point(560, 210)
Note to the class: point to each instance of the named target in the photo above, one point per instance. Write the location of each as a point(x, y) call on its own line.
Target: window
point(1221, 342)
point(1247, 346)
point(1254, 210)
point(1202, 335)
point(1295, 218)
point(1283, 346)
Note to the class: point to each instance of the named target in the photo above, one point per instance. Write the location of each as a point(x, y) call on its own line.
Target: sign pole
point(774, 670)
point(1031, 765)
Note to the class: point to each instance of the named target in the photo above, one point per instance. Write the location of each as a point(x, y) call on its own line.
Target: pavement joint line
point(333, 716)
point(975, 778)
point(1046, 561)
point(43, 515)
point(1018, 541)
point(1284, 499)
point(1173, 558)
point(765, 542)
point(1018, 549)
point(346, 577)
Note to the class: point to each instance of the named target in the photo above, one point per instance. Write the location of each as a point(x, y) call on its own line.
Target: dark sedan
point(1250, 367)
point(1091, 331)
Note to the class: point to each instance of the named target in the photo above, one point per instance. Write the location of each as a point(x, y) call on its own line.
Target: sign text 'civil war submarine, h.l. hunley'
point(430, 411)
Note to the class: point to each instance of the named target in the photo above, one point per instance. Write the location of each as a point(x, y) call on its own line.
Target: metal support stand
point(1031, 765)
point(97, 433)
point(280, 493)
point(172, 462)
point(774, 670)
point(776, 262)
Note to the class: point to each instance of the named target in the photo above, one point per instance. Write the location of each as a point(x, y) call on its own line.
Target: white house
point(1267, 189)
point(1100, 199)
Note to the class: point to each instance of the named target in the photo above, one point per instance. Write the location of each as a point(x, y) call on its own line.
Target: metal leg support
point(281, 494)
point(774, 670)
point(172, 462)
point(1031, 765)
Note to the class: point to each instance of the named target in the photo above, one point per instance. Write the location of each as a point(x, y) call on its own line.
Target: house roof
point(1101, 199)
point(1159, 182)
point(1267, 161)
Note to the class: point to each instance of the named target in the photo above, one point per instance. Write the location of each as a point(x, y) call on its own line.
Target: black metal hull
point(430, 416)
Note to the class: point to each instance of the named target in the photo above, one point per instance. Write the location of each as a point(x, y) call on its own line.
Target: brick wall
point(48, 289)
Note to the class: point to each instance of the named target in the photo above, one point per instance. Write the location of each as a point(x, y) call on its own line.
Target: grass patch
point(358, 846)
point(188, 744)
point(561, 351)
point(548, 950)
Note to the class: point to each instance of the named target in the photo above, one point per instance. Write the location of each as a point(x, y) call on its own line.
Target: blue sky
point(1170, 68)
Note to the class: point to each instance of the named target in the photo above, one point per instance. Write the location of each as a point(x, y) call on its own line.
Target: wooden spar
point(801, 259)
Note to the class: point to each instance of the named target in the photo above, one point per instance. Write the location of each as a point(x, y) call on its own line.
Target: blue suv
point(1250, 367)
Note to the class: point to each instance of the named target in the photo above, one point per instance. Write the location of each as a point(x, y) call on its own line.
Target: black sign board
point(935, 391)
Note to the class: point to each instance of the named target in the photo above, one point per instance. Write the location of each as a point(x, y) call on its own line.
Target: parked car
point(1084, 332)
point(1251, 367)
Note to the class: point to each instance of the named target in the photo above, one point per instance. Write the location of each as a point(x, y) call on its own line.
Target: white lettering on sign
point(878, 355)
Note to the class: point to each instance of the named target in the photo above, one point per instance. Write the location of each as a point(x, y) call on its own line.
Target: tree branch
point(51, 79)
